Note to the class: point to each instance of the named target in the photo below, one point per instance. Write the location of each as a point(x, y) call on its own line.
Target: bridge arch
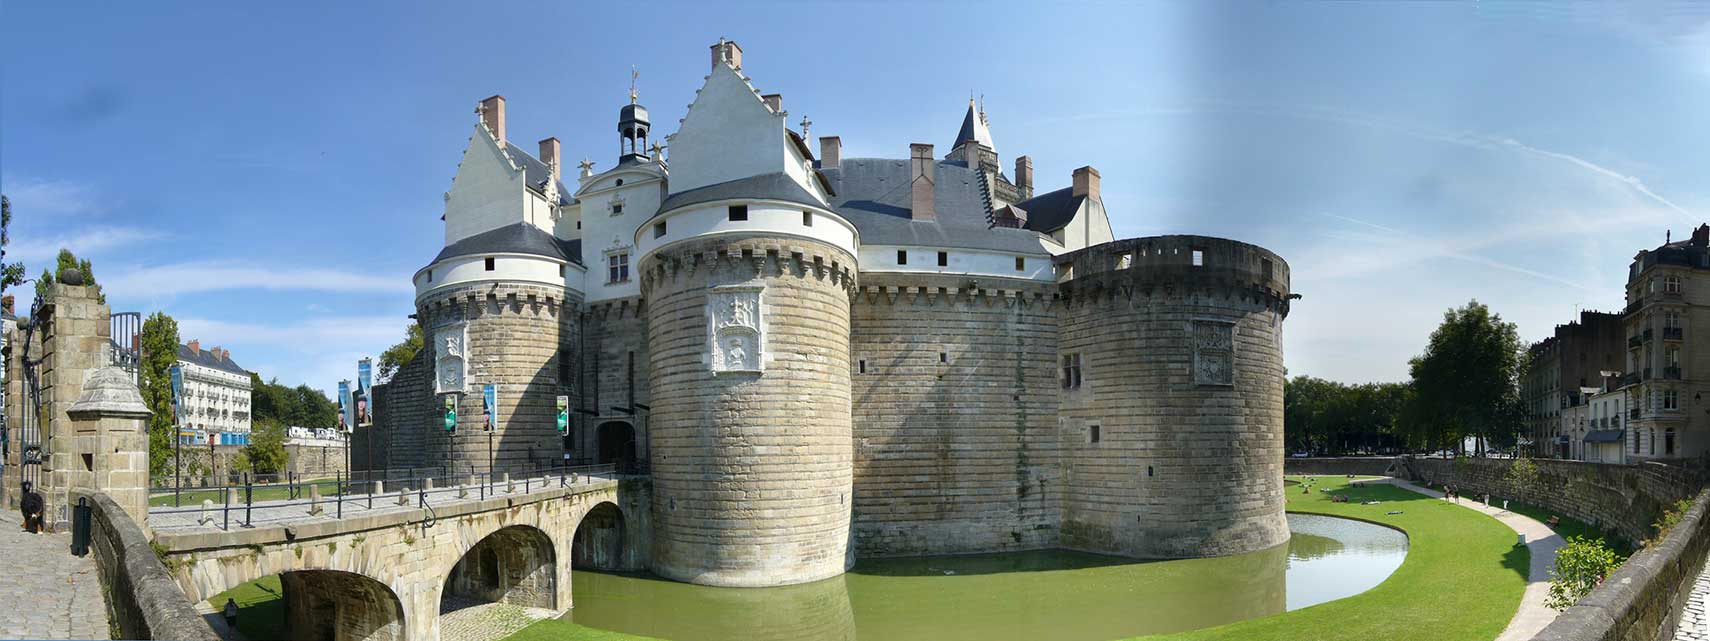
point(333, 605)
point(600, 540)
point(515, 564)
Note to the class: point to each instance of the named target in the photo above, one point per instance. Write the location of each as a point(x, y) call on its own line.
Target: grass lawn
point(1462, 579)
point(261, 608)
point(193, 498)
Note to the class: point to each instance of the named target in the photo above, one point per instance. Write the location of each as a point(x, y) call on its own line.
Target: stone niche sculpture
point(451, 365)
point(1213, 352)
point(735, 329)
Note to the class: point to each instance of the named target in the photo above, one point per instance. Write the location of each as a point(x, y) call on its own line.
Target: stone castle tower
point(815, 358)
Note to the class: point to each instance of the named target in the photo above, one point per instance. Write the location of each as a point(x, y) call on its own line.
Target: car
point(1301, 455)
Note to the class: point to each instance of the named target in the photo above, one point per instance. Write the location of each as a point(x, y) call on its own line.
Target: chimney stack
point(550, 151)
point(1024, 176)
point(727, 52)
point(493, 113)
point(774, 101)
point(1086, 183)
point(1700, 237)
point(195, 346)
point(921, 172)
point(225, 354)
point(830, 151)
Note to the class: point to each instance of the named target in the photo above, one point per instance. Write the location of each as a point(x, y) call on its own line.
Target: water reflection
point(1050, 594)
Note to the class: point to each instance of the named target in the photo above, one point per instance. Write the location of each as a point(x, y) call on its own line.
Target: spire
point(633, 75)
point(974, 128)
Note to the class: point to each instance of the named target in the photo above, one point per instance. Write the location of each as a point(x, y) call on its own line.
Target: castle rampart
point(750, 428)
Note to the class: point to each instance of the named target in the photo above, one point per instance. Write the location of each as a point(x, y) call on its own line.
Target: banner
point(563, 416)
point(177, 395)
point(346, 409)
point(451, 413)
point(490, 405)
point(364, 383)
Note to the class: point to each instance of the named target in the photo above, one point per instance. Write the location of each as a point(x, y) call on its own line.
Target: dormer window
point(615, 205)
point(617, 208)
point(489, 265)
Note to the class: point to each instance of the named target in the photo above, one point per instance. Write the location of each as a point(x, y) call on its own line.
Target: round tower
point(748, 333)
point(1171, 368)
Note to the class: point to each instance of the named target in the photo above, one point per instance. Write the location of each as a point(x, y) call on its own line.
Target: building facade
point(818, 357)
point(1579, 355)
point(1668, 313)
point(216, 402)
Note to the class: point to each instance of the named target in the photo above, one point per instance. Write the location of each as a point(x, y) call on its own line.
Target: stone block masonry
point(955, 410)
point(751, 439)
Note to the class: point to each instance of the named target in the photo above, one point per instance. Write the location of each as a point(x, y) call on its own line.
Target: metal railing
point(1671, 373)
point(247, 499)
point(1673, 333)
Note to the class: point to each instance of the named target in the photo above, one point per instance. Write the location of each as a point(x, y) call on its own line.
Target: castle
point(816, 357)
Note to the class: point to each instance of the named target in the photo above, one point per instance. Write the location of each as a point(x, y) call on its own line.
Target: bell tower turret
point(633, 126)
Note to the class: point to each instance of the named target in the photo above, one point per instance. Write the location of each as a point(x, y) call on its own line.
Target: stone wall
point(752, 447)
point(1173, 437)
point(955, 416)
point(614, 373)
point(1625, 499)
point(313, 461)
point(406, 419)
point(1643, 600)
point(143, 601)
point(1339, 466)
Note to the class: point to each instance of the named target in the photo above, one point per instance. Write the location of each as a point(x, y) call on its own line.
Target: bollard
point(403, 496)
point(462, 491)
point(314, 500)
point(427, 484)
point(207, 512)
point(510, 486)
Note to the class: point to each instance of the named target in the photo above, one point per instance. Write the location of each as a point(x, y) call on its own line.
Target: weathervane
point(805, 124)
point(633, 75)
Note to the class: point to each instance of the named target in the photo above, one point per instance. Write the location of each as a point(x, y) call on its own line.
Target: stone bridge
point(380, 574)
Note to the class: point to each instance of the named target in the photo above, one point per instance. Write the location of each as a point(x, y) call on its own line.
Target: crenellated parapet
point(492, 299)
point(1174, 267)
point(955, 290)
point(761, 257)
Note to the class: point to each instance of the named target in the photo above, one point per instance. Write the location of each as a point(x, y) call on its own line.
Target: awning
point(1563, 439)
point(1604, 436)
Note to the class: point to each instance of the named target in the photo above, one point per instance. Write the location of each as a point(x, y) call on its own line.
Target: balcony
point(1635, 341)
point(1630, 378)
point(1674, 333)
point(1671, 373)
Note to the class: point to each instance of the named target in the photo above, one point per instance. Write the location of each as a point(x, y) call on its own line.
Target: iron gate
point(125, 338)
point(30, 406)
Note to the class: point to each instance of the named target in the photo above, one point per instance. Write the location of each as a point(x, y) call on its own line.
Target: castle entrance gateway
point(616, 444)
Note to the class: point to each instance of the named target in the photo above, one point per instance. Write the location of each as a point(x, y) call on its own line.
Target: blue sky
point(271, 175)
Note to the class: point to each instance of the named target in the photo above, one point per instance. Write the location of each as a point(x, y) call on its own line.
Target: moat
point(1067, 595)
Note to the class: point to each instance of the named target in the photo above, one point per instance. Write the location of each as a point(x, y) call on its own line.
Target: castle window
point(560, 271)
point(1198, 258)
point(738, 212)
point(861, 365)
point(944, 357)
point(807, 219)
point(1020, 263)
point(902, 257)
point(489, 264)
point(943, 259)
point(659, 229)
point(617, 267)
point(619, 183)
point(617, 208)
point(1072, 371)
point(1265, 268)
point(1093, 434)
point(430, 276)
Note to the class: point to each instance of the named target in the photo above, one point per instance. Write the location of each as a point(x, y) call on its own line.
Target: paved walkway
point(471, 620)
point(53, 595)
point(1533, 615)
point(1694, 625)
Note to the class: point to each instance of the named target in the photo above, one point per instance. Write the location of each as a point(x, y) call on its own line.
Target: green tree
point(265, 453)
point(1522, 477)
point(67, 260)
point(44, 284)
point(1581, 564)
point(11, 274)
point(401, 354)
point(159, 345)
point(1467, 381)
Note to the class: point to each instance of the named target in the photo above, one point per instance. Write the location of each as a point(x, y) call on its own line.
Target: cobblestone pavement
point(1694, 626)
point(48, 593)
point(215, 516)
point(1533, 615)
point(469, 620)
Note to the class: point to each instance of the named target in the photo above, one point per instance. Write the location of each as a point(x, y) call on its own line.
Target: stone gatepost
point(109, 422)
point(71, 340)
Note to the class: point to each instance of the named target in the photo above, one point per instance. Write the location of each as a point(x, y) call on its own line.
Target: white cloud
point(318, 352)
point(208, 276)
point(34, 198)
point(85, 243)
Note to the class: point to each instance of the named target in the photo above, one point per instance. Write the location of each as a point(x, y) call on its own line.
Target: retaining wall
point(143, 601)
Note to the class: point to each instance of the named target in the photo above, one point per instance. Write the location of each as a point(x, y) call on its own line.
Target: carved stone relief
point(1213, 352)
point(737, 336)
point(450, 358)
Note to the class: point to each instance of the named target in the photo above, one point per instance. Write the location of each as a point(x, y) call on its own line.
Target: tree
point(11, 274)
point(159, 345)
point(401, 354)
point(1581, 564)
point(67, 260)
point(265, 453)
point(302, 405)
point(1467, 381)
point(1522, 477)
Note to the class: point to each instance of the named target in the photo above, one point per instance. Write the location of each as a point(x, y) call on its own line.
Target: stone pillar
point(75, 327)
point(109, 422)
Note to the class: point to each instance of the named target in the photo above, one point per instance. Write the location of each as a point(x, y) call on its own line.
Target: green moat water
point(1026, 595)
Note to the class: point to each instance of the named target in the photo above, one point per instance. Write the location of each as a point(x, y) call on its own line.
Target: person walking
point(230, 613)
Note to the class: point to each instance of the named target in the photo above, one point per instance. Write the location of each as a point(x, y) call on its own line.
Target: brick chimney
point(1700, 238)
point(195, 346)
point(493, 113)
point(550, 152)
point(1024, 176)
point(225, 354)
point(921, 172)
point(727, 52)
point(1086, 183)
point(215, 352)
point(830, 151)
point(774, 101)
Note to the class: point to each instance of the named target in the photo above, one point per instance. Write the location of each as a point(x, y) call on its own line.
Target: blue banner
point(364, 383)
point(490, 405)
point(346, 410)
point(177, 395)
